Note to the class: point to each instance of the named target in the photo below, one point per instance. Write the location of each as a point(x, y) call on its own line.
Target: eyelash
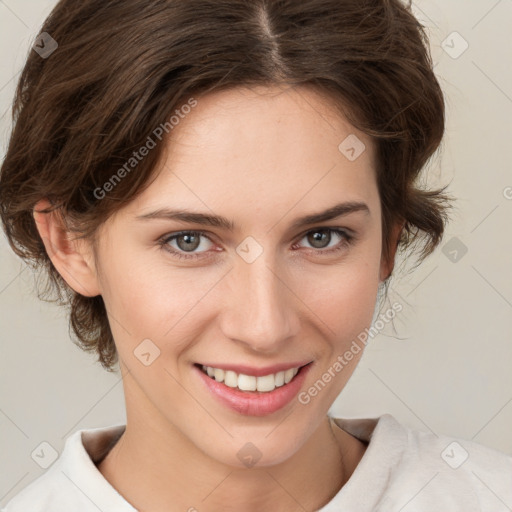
point(163, 242)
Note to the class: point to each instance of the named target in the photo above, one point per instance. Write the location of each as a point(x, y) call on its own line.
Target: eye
point(320, 238)
point(186, 242)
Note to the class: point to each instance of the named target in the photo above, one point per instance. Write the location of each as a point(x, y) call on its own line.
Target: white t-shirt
point(402, 470)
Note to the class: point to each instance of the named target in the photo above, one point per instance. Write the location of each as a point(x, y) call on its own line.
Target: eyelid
point(347, 235)
point(348, 231)
point(165, 239)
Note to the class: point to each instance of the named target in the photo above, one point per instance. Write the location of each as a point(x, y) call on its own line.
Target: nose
point(261, 307)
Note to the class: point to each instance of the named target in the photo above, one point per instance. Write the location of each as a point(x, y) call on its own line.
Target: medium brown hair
point(124, 67)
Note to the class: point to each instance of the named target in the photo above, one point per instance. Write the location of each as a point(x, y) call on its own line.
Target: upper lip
point(257, 372)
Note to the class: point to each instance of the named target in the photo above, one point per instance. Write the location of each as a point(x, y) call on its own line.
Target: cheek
point(344, 296)
point(148, 299)
point(345, 306)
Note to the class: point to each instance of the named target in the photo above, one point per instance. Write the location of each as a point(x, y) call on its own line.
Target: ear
point(73, 259)
point(386, 266)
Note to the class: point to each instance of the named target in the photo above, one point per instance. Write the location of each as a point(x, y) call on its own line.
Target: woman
point(218, 190)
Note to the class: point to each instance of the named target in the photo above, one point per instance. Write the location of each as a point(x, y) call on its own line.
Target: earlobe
point(72, 258)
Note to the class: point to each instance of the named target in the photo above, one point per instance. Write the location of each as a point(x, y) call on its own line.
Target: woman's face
point(269, 294)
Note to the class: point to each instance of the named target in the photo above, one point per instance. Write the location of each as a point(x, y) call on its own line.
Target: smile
point(263, 384)
point(253, 395)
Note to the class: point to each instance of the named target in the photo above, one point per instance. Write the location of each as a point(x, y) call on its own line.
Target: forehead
point(231, 125)
point(258, 147)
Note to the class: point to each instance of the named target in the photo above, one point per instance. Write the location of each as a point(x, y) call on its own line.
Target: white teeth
point(246, 382)
point(288, 375)
point(266, 383)
point(231, 379)
point(263, 384)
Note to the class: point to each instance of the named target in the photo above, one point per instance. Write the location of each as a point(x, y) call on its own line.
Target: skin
point(261, 157)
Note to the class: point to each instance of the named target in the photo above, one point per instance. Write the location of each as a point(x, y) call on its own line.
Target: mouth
point(251, 383)
point(253, 395)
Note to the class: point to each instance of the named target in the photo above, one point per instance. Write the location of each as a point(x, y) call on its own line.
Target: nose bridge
point(260, 311)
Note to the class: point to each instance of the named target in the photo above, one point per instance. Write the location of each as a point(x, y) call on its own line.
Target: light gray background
point(447, 370)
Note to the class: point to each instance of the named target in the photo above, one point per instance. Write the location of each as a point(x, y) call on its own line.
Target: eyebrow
point(218, 221)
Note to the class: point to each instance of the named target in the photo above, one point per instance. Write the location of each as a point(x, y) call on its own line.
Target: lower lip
point(255, 403)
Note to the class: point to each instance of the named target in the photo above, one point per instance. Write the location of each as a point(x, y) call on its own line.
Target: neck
point(162, 471)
